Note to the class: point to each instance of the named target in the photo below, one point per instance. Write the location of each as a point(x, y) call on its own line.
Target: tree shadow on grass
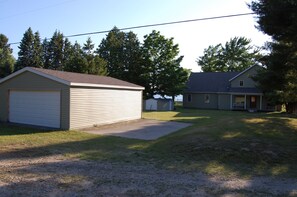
point(240, 144)
point(10, 129)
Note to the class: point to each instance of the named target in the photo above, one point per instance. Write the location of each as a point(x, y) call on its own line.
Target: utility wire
point(154, 25)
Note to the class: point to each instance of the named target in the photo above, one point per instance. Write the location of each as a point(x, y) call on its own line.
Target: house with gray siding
point(225, 91)
point(66, 100)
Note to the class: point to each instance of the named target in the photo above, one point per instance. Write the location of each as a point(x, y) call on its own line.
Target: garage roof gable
point(77, 79)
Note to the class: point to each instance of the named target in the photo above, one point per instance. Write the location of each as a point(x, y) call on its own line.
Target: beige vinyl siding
point(248, 82)
point(224, 101)
point(28, 81)
point(198, 101)
point(90, 106)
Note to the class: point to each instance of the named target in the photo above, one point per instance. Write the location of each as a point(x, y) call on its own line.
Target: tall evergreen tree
point(133, 60)
point(30, 51)
point(46, 56)
point(88, 46)
point(25, 50)
point(95, 64)
point(55, 50)
point(37, 51)
point(279, 80)
point(83, 60)
point(6, 59)
point(122, 52)
point(111, 49)
point(77, 62)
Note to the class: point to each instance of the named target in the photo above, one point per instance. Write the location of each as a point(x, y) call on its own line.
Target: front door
point(253, 102)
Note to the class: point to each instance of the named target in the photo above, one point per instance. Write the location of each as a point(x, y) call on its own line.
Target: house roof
point(216, 82)
point(209, 82)
point(77, 79)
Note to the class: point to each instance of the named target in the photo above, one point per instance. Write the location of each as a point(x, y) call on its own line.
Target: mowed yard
point(223, 152)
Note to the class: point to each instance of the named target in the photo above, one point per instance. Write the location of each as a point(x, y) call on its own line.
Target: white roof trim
point(105, 86)
point(239, 93)
point(242, 72)
point(233, 93)
point(66, 82)
point(36, 72)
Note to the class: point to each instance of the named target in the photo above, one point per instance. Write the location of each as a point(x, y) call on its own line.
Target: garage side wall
point(28, 81)
point(93, 106)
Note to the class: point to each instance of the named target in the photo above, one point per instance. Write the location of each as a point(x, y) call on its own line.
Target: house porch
point(254, 102)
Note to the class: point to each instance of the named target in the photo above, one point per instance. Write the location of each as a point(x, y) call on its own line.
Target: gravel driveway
point(58, 176)
point(144, 129)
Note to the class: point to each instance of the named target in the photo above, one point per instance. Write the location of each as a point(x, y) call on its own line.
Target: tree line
point(154, 64)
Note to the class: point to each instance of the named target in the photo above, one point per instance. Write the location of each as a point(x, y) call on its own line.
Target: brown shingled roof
point(85, 78)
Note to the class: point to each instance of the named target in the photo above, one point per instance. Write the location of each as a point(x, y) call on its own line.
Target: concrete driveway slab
point(143, 129)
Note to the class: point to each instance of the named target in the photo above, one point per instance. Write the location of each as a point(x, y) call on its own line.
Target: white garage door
point(40, 108)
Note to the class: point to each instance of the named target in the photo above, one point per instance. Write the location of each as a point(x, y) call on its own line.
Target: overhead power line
point(156, 24)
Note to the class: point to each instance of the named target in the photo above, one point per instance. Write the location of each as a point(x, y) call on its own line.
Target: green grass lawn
point(219, 142)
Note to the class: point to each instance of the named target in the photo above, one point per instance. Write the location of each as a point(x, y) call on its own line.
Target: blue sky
point(81, 16)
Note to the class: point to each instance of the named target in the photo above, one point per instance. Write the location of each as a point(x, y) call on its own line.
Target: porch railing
point(238, 106)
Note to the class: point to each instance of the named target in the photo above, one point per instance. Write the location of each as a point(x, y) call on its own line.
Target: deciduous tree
point(6, 59)
point(163, 73)
point(235, 55)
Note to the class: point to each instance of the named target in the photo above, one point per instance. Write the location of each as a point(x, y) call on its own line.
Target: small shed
point(66, 100)
point(159, 104)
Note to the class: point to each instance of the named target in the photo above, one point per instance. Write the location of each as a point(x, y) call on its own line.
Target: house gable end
point(243, 79)
point(28, 69)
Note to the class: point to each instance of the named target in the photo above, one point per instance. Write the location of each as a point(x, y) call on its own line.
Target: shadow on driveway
point(143, 129)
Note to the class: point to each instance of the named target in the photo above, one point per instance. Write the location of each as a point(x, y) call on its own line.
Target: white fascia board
point(239, 93)
point(105, 86)
point(13, 75)
point(234, 93)
point(242, 72)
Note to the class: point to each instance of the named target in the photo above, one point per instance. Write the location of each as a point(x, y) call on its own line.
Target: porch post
point(231, 102)
point(245, 102)
point(261, 102)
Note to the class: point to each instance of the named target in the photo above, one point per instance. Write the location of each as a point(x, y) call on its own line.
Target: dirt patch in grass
point(59, 176)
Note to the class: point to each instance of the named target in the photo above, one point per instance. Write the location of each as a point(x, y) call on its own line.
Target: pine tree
point(122, 52)
point(56, 53)
point(111, 49)
point(26, 50)
point(76, 62)
point(37, 51)
point(30, 53)
point(88, 46)
point(279, 80)
point(46, 54)
point(6, 59)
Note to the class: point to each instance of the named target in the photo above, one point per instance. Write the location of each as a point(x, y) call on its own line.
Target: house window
point(206, 98)
point(189, 98)
point(240, 83)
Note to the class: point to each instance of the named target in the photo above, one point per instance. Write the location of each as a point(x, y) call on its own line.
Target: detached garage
point(67, 100)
